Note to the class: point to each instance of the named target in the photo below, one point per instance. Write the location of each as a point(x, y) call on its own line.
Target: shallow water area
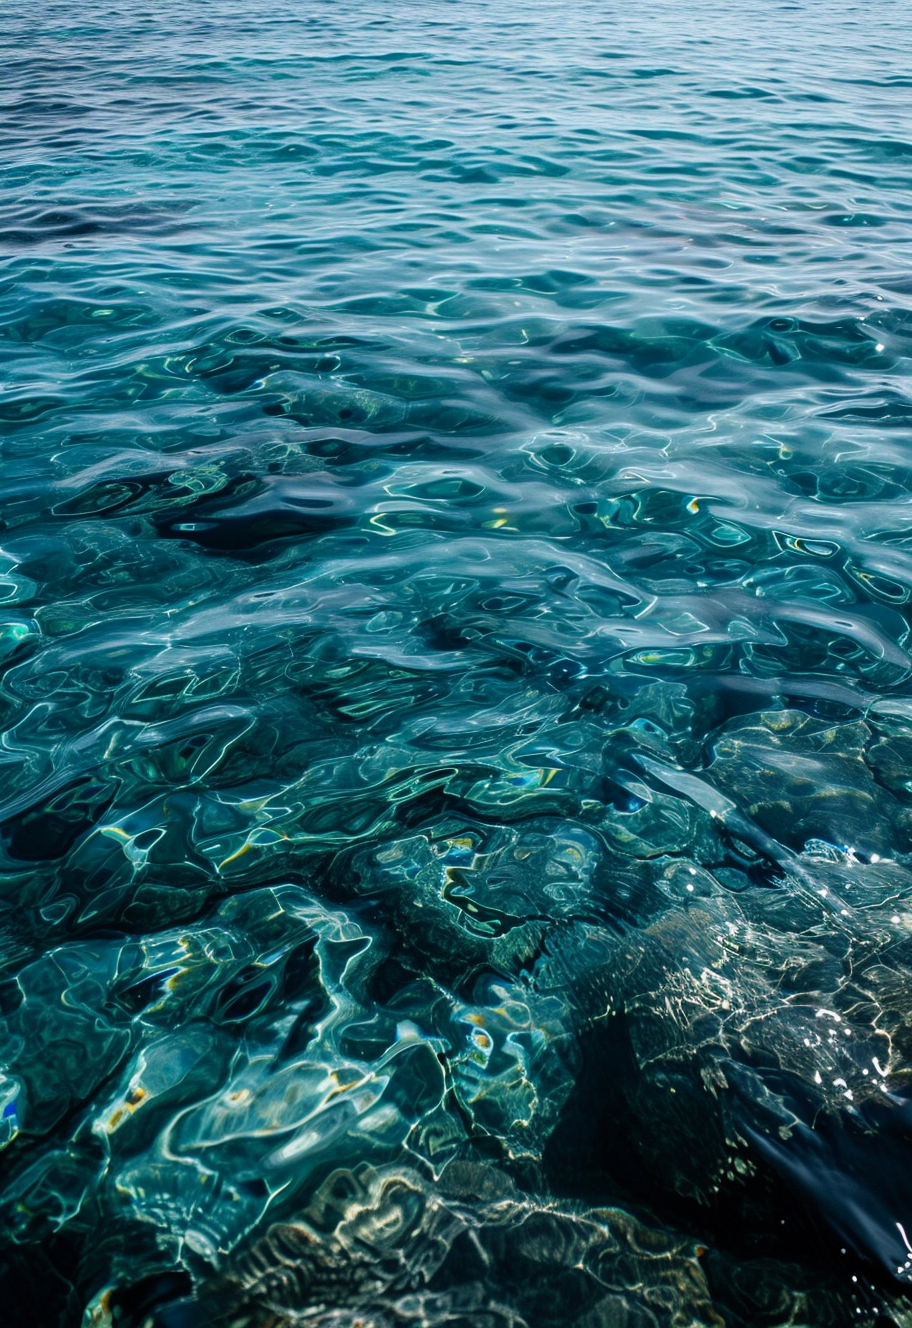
point(455, 673)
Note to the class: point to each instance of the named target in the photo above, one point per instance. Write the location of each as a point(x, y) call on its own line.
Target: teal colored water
point(456, 689)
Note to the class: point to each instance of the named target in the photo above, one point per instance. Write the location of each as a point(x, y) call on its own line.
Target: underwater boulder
point(800, 778)
point(756, 1033)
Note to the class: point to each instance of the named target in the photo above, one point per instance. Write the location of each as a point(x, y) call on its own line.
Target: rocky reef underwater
point(632, 1058)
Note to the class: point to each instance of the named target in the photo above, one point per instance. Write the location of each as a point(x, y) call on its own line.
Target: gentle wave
point(455, 673)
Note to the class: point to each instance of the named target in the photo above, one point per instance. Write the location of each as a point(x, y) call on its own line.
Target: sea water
point(456, 695)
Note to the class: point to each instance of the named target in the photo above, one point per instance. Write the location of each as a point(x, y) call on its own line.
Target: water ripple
point(455, 672)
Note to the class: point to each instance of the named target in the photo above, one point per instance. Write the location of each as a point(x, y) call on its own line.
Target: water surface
point(456, 697)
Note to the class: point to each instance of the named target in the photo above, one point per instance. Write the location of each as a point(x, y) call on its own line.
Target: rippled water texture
point(456, 697)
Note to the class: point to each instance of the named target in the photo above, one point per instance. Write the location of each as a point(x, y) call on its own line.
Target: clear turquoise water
point(456, 698)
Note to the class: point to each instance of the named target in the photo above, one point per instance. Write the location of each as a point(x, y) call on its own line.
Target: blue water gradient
point(455, 673)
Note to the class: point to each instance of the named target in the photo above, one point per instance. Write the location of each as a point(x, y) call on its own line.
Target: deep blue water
point(456, 689)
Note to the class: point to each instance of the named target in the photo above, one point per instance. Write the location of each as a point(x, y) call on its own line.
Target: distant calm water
point(456, 682)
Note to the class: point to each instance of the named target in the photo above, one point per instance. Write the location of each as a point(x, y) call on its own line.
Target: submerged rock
point(765, 1031)
point(803, 779)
